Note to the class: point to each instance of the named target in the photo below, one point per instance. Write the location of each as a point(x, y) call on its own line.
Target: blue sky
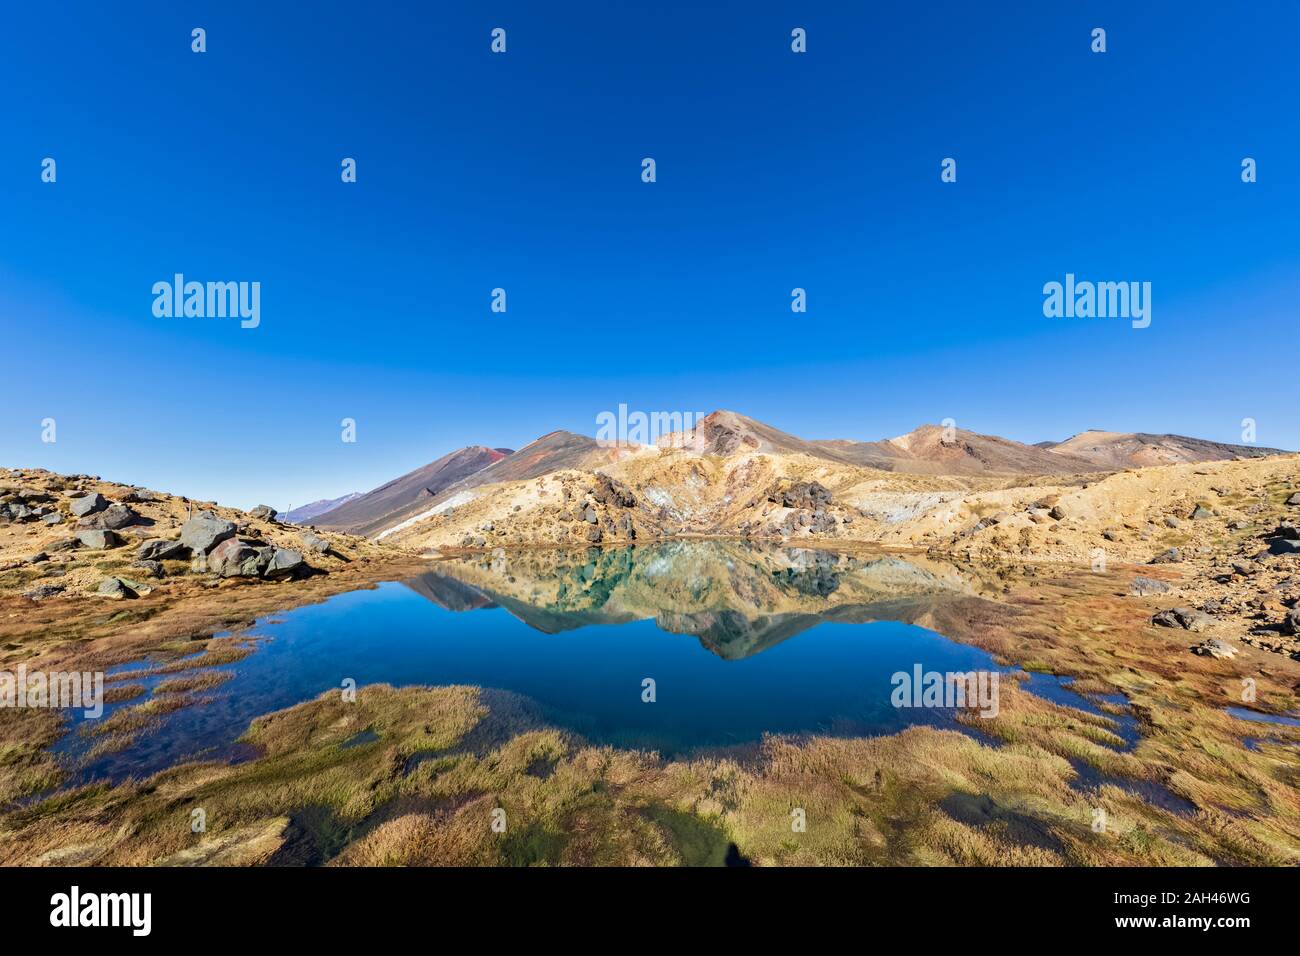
point(522, 171)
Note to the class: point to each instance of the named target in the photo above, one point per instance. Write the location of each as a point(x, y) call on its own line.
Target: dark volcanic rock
point(809, 495)
point(1184, 617)
point(113, 517)
point(1143, 586)
point(88, 504)
point(233, 558)
point(284, 563)
point(160, 549)
point(612, 491)
point(99, 540)
point(18, 511)
point(115, 588)
point(315, 543)
point(153, 569)
point(205, 531)
point(43, 591)
point(1213, 647)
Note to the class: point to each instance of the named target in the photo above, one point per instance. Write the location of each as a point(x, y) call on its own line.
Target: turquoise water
point(726, 668)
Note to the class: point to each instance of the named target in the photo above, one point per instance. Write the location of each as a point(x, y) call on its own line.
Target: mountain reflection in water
point(740, 641)
point(739, 599)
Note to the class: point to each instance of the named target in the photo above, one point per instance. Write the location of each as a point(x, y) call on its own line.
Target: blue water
point(1241, 713)
point(824, 677)
point(1059, 691)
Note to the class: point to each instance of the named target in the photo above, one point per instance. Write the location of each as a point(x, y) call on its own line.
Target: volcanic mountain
point(929, 450)
point(1115, 450)
point(305, 513)
point(392, 502)
point(410, 496)
point(731, 474)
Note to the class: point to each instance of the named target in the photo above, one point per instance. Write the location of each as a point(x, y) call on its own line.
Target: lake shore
point(413, 774)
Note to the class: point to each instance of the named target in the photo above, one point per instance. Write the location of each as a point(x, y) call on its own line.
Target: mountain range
point(930, 450)
point(408, 494)
point(305, 513)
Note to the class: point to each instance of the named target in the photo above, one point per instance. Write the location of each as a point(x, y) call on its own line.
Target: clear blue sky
point(522, 170)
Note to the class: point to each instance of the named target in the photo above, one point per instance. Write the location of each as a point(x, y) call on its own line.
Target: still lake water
point(740, 641)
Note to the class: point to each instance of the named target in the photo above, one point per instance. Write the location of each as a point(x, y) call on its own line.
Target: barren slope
point(391, 502)
point(1115, 450)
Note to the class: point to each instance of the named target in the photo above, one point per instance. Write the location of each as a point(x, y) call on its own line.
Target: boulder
point(115, 588)
point(284, 563)
point(265, 512)
point(1141, 586)
point(43, 591)
point(314, 543)
point(1057, 513)
point(1213, 647)
point(1200, 513)
point(99, 540)
point(152, 569)
point(52, 518)
point(205, 531)
point(1294, 500)
point(19, 511)
point(1172, 522)
point(88, 504)
point(1291, 623)
point(810, 495)
point(1184, 617)
point(1172, 556)
point(233, 558)
point(160, 549)
point(113, 517)
point(611, 491)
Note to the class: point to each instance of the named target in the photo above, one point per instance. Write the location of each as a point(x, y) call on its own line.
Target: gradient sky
point(522, 170)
